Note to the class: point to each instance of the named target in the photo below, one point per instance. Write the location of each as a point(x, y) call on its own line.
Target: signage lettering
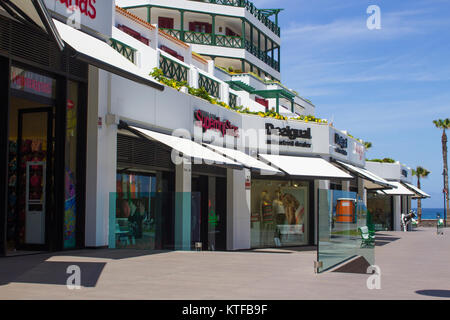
point(86, 7)
point(342, 143)
point(292, 134)
point(289, 132)
point(212, 122)
point(32, 82)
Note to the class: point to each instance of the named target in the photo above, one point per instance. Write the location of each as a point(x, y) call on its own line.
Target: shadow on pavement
point(36, 269)
point(435, 293)
point(384, 239)
point(283, 250)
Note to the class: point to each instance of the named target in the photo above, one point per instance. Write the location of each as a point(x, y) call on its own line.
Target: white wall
point(101, 160)
point(238, 210)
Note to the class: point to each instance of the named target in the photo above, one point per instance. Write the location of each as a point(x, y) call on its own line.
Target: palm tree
point(444, 124)
point(420, 172)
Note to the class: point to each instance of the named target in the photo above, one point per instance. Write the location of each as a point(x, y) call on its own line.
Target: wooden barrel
point(345, 210)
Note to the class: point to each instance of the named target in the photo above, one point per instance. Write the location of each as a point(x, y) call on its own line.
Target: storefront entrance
point(209, 195)
point(30, 175)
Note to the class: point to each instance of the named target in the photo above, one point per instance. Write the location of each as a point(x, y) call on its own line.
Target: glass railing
point(345, 230)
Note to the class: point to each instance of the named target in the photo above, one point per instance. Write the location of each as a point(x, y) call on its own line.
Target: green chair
point(367, 237)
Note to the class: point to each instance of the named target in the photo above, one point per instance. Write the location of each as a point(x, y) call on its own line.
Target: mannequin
point(267, 218)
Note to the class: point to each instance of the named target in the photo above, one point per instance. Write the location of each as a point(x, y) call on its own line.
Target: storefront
point(43, 134)
point(281, 212)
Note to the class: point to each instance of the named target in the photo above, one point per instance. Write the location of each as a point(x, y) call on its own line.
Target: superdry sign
point(209, 121)
point(94, 14)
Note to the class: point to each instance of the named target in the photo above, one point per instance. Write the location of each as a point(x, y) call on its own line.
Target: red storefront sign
point(31, 82)
point(211, 122)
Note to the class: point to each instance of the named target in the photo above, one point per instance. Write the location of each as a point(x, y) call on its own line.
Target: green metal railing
point(232, 101)
point(172, 69)
point(173, 32)
point(124, 49)
point(261, 55)
point(228, 41)
point(210, 85)
point(223, 41)
point(259, 14)
point(198, 37)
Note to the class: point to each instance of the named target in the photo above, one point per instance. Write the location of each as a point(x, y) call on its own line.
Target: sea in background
point(430, 213)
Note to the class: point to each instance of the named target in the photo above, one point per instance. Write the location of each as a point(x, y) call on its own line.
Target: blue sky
point(384, 86)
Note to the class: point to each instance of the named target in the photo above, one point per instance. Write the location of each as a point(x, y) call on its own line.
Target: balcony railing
point(172, 69)
point(232, 100)
point(223, 41)
point(173, 32)
point(211, 86)
point(252, 9)
point(261, 55)
point(124, 49)
point(198, 37)
point(228, 41)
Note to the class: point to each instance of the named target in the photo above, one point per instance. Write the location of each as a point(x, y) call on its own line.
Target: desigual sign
point(94, 14)
point(292, 134)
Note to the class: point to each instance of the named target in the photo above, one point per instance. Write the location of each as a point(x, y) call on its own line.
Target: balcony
point(259, 14)
point(223, 41)
point(124, 49)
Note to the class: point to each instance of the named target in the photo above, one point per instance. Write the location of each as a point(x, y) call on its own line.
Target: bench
point(367, 237)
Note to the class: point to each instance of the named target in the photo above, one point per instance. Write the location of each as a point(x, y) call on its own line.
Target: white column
point(183, 206)
point(101, 162)
point(345, 185)
point(362, 192)
point(397, 212)
point(238, 209)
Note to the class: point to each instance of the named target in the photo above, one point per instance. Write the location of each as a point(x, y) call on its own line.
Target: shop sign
point(94, 14)
point(31, 82)
point(292, 134)
point(210, 121)
point(342, 144)
point(248, 184)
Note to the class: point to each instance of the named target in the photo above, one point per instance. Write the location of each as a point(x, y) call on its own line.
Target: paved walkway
point(414, 265)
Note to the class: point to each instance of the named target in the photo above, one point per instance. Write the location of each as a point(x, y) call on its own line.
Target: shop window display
point(381, 208)
point(279, 213)
point(135, 225)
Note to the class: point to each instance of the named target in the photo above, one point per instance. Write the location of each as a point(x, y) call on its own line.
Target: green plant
point(384, 160)
point(420, 172)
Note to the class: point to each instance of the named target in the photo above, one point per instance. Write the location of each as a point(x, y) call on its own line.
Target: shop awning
point(245, 159)
point(371, 180)
point(316, 168)
point(419, 193)
point(32, 12)
point(399, 191)
point(100, 54)
point(188, 148)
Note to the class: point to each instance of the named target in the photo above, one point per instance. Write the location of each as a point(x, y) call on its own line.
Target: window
point(200, 27)
point(166, 23)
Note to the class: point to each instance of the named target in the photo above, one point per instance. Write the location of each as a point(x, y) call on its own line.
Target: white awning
point(32, 12)
point(419, 193)
point(245, 159)
point(100, 54)
point(371, 180)
point(399, 191)
point(188, 148)
point(316, 168)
